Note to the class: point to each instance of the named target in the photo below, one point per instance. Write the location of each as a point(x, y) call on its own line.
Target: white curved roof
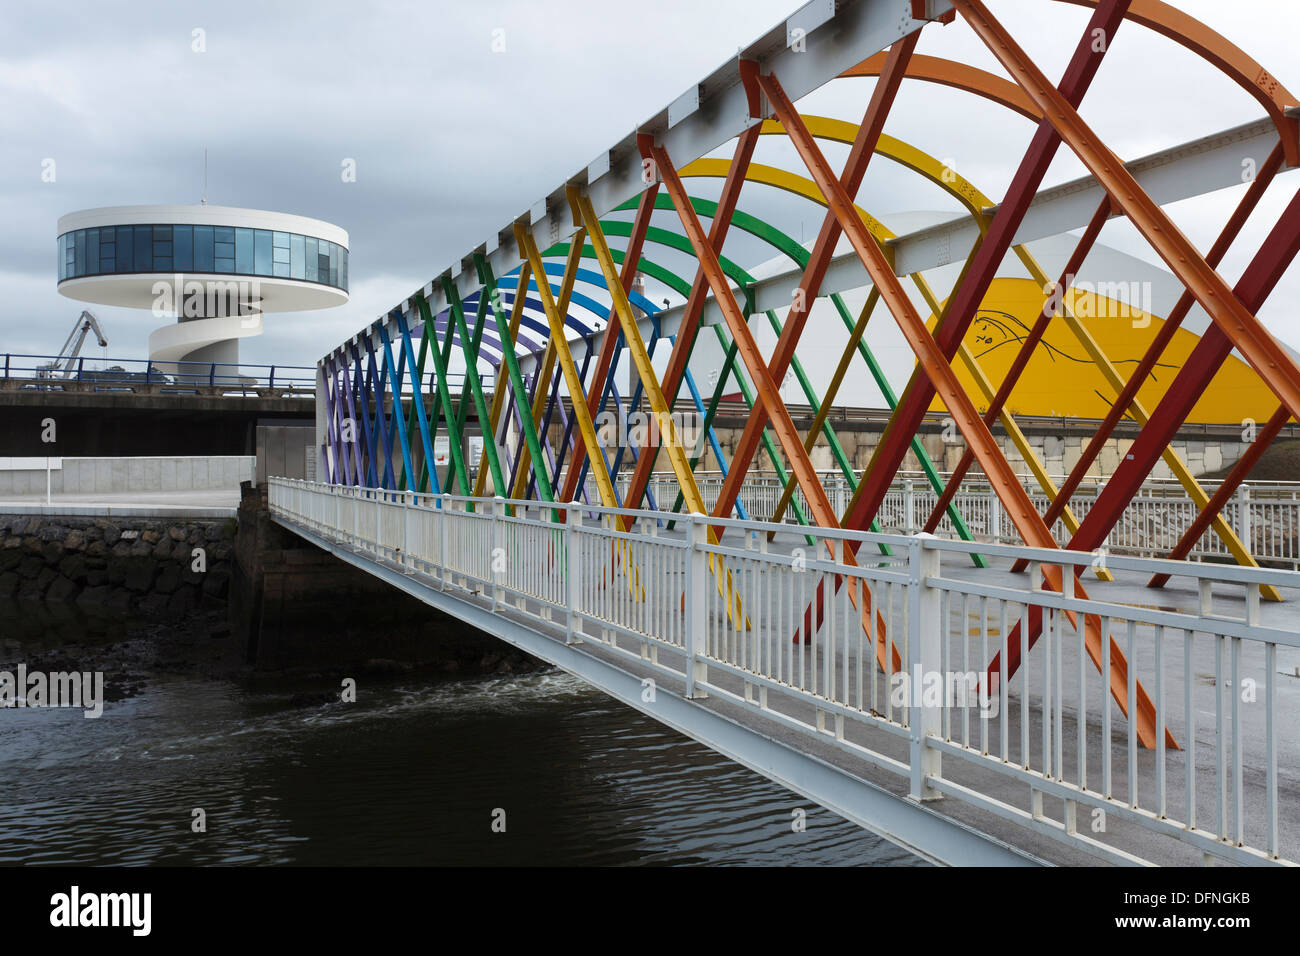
point(201, 215)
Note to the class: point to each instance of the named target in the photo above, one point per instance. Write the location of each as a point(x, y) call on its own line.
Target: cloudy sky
point(451, 139)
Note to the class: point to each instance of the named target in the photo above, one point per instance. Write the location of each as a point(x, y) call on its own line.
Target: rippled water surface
point(410, 774)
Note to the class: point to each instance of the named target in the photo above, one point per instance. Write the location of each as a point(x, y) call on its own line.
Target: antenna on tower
point(204, 200)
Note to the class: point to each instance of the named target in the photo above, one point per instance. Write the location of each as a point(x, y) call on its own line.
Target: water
point(410, 774)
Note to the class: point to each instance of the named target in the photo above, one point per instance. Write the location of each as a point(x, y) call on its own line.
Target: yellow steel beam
point(499, 392)
point(1008, 422)
point(1116, 382)
point(584, 215)
point(547, 369)
point(828, 400)
point(560, 345)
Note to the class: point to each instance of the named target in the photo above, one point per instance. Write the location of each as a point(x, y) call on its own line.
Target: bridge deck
point(827, 703)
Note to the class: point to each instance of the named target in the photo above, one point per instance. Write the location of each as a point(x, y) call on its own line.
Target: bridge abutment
point(296, 607)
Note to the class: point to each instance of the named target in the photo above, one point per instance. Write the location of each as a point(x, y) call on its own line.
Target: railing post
point(498, 544)
point(212, 375)
point(148, 372)
point(995, 515)
point(406, 525)
point(271, 382)
point(443, 505)
point(573, 574)
point(925, 648)
point(1243, 515)
point(697, 610)
point(908, 498)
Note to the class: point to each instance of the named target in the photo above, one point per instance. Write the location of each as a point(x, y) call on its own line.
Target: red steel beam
point(1225, 492)
point(964, 302)
point(769, 392)
point(855, 168)
point(1259, 279)
point(1022, 358)
point(604, 359)
point(690, 324)
point(1161, 339)
point(1270, 359)
point(938, 369)
point(1189, 384)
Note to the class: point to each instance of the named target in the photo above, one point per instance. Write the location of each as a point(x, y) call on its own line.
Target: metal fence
point(1047, 747)
point(1265, 516)
point(112, 374)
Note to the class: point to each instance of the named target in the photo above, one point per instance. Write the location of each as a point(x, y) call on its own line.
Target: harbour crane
point(62, 366)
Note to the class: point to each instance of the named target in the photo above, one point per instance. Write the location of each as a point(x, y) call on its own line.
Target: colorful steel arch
point(549, 306)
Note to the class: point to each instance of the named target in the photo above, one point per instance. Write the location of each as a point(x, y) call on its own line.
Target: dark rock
point(216, 583)
point(119, 601)
point(74, 567)
point(61, 590)
point(183, 601)
point(117, 567)
point(30, 566)
point(75, 541)
point(169, 579)
point(9, 582)
point(140, 575)
point(94, 596)
point(154, 605)
point(175, 533)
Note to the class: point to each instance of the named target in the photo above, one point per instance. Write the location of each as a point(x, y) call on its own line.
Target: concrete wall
point(71, 476)
point(283, 451)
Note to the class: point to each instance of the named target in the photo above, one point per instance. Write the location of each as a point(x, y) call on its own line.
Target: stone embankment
point(148, 567)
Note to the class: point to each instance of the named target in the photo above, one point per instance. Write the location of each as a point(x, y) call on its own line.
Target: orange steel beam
point(1022, 358)
point(1270, 360)
point(935, 69)
point(689, 326)
point(1206, 43)
point(627, 273)
point(1264, 176)
point(970, 290)
point(547, 363)
point(935, 365)
point(855, 168)
point(766, 388)
point(1160, 17)
point(1224, 492)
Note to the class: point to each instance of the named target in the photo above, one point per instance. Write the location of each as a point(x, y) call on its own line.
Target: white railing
point(1046, 747)
point(1264, 516)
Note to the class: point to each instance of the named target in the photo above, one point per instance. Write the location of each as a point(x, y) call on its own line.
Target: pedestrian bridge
point(887, 688)
point(963, 695)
